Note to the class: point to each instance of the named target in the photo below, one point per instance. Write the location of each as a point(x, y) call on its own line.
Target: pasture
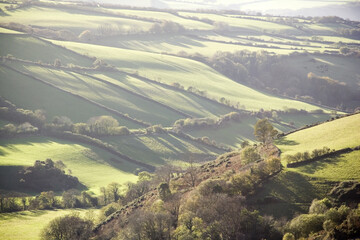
point(338, 134)
point(37, 95)
point(170, 69)
point(27, 225)
point(87, 163)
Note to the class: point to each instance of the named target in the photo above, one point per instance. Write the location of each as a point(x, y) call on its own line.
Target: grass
point(341, 68)
point(28, 93)
point(252, 25)
point(183, 101)
point(337, 134)
point(71, 19)
point(162, 149)
point(231, 135)
point(178, 43)
point(169, 69)
point(293, 192)
point(27, 225)
point(164, 16)
point(8, 31)
point(106, 95)
point(339, 168)
point(29, 48)
point(88, 164)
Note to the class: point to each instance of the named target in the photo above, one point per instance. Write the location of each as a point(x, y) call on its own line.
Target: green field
point(340, 68)
point(37, 95)
point(336, 135)
point(179, 43)
point(33, 49)
point(88, 164)
point(251, 25)
point(71, 19)
point(105, 94)
point(234, 133)
point(339, 168)
point(169, 69)
point(27, 225)
point(163, 16)
point(181, 100)
point(162, 149)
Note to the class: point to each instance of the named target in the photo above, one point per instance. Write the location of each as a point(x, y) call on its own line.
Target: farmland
point(122, 95)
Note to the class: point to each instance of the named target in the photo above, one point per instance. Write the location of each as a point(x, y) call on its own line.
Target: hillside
point(156, 108)
point(293, 190)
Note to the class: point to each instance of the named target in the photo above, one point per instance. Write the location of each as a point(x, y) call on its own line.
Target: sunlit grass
point(27, 225)
point(337, 134)
point(28, 93)
point(33, 49)
point(187, 72)
point(107, 95)
point(88, 164)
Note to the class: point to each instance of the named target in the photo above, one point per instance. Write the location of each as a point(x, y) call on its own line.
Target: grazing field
point(162, 149)
point(87, 163)
point(37, 95)
point(170, 69)
point(191, 45)
point(250, 25)
point(34, 49)
point(341, 68)
point(27, 225)
point(338, 134)
point(288, 194)
point(340, 168)
point(105, 94)
point(74, 20)
point(181, 100)
point(164, 16)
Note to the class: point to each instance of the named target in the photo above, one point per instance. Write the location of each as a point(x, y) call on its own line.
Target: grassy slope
point(187, 72)
point(175, 44)
point(30, 48)
point(337, 134)
point(162, 148)
point(234, 134)
point(71, 19)
point(37, 95)
point(184, 101)
point(296, 187)
point(344, 69)
point(105, 94)
point(164, 16)
point(27, 225)
point(246, 24)
point(88, 164)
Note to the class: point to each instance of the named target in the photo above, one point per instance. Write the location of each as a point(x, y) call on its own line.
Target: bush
point(249, 155)
point(67, 228)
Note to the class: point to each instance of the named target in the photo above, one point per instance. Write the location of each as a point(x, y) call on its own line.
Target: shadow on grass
point(284, 141)
point(311, 168)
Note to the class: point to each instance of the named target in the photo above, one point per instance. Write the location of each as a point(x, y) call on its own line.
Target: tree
point(249, 155)
point(67, 228)
point(114, 191)
point(264, 131)
point(164, 191)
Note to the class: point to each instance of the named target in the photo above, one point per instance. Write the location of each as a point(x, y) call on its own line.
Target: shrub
point(67, 227)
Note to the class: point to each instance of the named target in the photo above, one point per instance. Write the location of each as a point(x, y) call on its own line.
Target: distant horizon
point(344, 9)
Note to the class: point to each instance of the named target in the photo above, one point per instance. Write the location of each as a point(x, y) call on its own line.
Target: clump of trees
point(200, 123)
point(68, 227)
point(264, 131)
point(47, 175)
point(325, 221)
point(305, 156)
